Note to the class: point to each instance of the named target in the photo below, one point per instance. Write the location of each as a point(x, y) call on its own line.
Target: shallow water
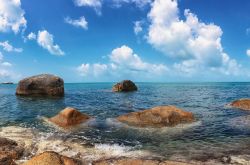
point(219, 130)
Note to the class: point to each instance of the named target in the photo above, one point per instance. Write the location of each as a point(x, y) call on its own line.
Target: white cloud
point(195, 44)
point(96, 69)
point(11, 16)
point(83, 69)
point(3, 63)
point(31, 36)
point(5, 73)
point(1, 56)
point(122, 61)
point(248, 52)
point(124, 58)
point(138, 3)
point(46, 40)
point(96, 4)
point(138, 27)
point(9, 48)
point(7, 64)
point(99, 69)
point(248, 31)
point(81, 22)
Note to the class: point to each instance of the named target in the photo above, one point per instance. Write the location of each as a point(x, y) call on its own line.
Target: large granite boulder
point(157, 117)
point(69, 117)
point(243, 104)
point(52, 158)
point(124, 86)
point(44, 84)
point(127, 161)
point(9, 151)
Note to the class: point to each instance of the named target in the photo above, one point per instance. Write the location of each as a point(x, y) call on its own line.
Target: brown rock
point(69, 117)
point(44, 84)
point(52, 158)
point(157, 117)
point(124, 86)
point(126, 161)
point(243, 104)
point(9, 151)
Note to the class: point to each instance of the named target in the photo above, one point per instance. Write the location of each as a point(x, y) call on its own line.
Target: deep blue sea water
point(219, 130)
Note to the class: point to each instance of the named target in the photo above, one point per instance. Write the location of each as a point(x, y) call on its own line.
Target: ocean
point(219, 130)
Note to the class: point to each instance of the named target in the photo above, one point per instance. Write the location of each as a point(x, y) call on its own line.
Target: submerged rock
point(44, 84)
point(128, 161)
point(243, 104)
point(52, 158)
point(69, 117)
point(124, 86)
point(9, 151)
point(157, 117)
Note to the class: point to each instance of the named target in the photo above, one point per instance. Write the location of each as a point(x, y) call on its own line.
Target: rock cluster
point(41, 85)
point(52, 158)
point(157, 117)
point(9, 151)
point(124, 86)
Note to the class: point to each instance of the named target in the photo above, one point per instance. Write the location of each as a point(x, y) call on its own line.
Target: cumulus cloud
point(195, 44)
point(96, 4)
point(31, 36)
point(248, 52)
point(46, 40)
point(138, 3)
point(138, 27)
point(81, 22)
point(9, 48)
point(122, 60)
point(11, 16)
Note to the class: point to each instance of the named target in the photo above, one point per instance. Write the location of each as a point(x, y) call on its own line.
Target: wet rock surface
point(9, 151)
point(69, 117)
point(157, 117)
point(52, 158)
point(243, 104)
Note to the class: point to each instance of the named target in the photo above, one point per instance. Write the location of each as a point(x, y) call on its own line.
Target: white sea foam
point(170, 130)
point(114, 149)
point(36, 142)
point(111, 122)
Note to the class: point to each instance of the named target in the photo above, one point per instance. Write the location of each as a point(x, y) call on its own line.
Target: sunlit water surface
point(218, 131)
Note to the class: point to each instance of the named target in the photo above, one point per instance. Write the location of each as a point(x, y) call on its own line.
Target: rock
point(52, 158)
point(9, 151)
point(69, 117)
point(157, 117)
point(44, 84)
point(124, 86)
point(243, 104)
point(7, 83)
point(127, 161)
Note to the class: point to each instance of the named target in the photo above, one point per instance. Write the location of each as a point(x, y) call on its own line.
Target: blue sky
point(111, 40)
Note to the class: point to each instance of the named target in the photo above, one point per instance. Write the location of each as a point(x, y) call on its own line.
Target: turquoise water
point(219, 130)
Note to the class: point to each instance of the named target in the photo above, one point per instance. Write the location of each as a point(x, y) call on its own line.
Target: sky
point(112, 40)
